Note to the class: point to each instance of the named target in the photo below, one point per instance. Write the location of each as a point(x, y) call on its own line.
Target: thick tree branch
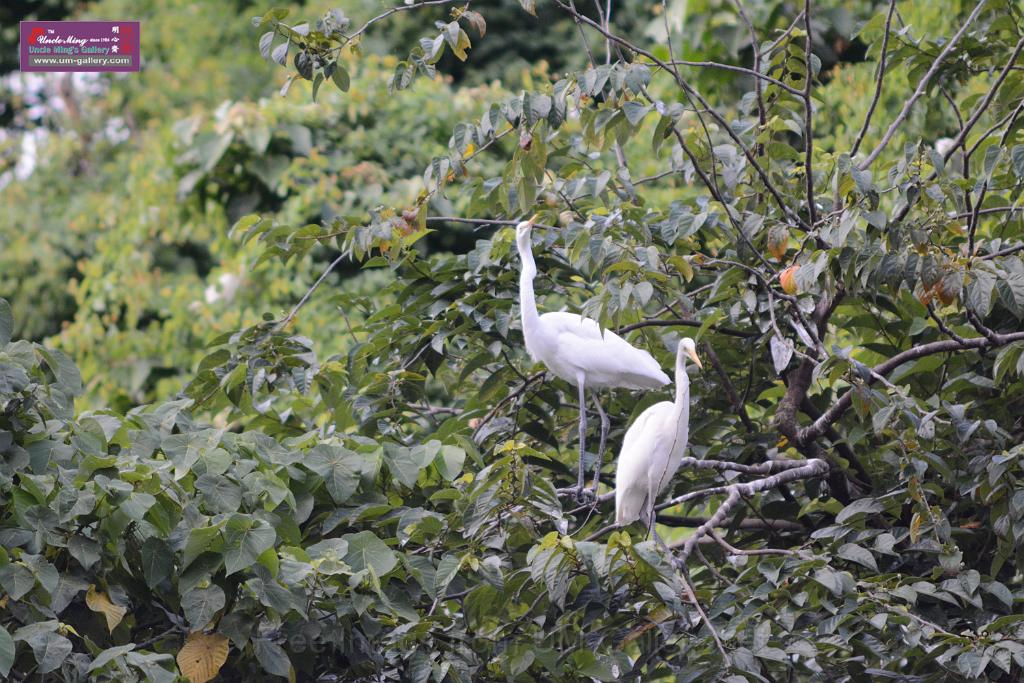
point(808, 470)
point(837, 409)
point(749, 523)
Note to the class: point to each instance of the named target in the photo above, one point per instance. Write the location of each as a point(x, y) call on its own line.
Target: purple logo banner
point(80, 46)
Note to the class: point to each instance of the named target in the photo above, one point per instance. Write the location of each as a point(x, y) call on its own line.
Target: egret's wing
point(640, 452)
point(610, 361)
point(563, 322)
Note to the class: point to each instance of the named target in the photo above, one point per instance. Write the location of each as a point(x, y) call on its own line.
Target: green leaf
point(341, 78)
point(303, 64)
point(861, 506)
point(406, 463)
point(6, 322)
point(265, 41)
point(855, 553)
point(280, 53)
point(1017, 155)
point(979, 292)
point(830, 579)
point(339, 467)
point(635, 112)
point(220, 494)
point(6, 652)
point(447, 569)
point(157, 561)
point(245, 538)
point(201, 604)
point(185, 449)
point(366, 550)
point(201, 539)
point(272, 657)
point(16, 580)
point(49, 648)
point(449, 461)
point(109, 655)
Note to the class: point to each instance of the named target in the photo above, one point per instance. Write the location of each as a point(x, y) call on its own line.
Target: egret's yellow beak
point(533, 219)
point(693, 356)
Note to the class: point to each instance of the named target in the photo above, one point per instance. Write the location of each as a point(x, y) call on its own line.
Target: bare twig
point(742, 70)
point(1003, 252)
point(730, 390)
point(707, 622)
point(501, 404)
point(690, 91)
point(987, 100)
point(922, 86)
point(305, 297)
point(683, 322)
point(387, 13)
point(732, 550)
point(484, 221)
point(812, 211)
point(762, 110)
point(879, 77)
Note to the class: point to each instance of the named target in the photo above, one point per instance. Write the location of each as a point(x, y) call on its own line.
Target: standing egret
point(577, 350)
point(652, 448)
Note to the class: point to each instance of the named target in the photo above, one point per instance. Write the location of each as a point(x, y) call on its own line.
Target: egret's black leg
point(580, 473)
point(651, 517)
point(600, 447)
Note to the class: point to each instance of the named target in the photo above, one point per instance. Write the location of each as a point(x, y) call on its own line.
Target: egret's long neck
point(681, 409)
point(527, 300)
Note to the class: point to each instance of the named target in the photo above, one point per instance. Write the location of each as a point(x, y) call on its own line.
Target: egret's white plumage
point(577, 350)
point(652, 448)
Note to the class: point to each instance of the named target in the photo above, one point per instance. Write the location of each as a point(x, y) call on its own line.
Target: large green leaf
point(339, 467)
point(245, 539)
point(366, 550)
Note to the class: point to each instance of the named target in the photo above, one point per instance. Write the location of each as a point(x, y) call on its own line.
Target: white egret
point(653, 447)
point(577, 350)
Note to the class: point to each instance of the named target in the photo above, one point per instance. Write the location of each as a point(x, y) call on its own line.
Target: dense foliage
point(284, 477)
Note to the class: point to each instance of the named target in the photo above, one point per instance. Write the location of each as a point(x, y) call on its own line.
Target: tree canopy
point(274, 417)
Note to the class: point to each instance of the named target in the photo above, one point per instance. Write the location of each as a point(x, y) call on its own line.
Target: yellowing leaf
point(98, 601)
point(202, 656)
point(915, 527)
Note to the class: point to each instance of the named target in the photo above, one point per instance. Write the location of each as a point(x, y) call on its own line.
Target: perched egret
point(652, 448)
point(577, 350)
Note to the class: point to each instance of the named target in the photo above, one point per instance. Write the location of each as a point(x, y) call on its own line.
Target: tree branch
point(305, 297)
point(922, 87)
point(682, 322)
point(690, 91)
point(837, 409)
point(807, 470)
point(812, 211)
point(878, 81)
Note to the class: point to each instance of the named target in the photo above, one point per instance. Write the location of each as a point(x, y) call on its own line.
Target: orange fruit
point(788, 280)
